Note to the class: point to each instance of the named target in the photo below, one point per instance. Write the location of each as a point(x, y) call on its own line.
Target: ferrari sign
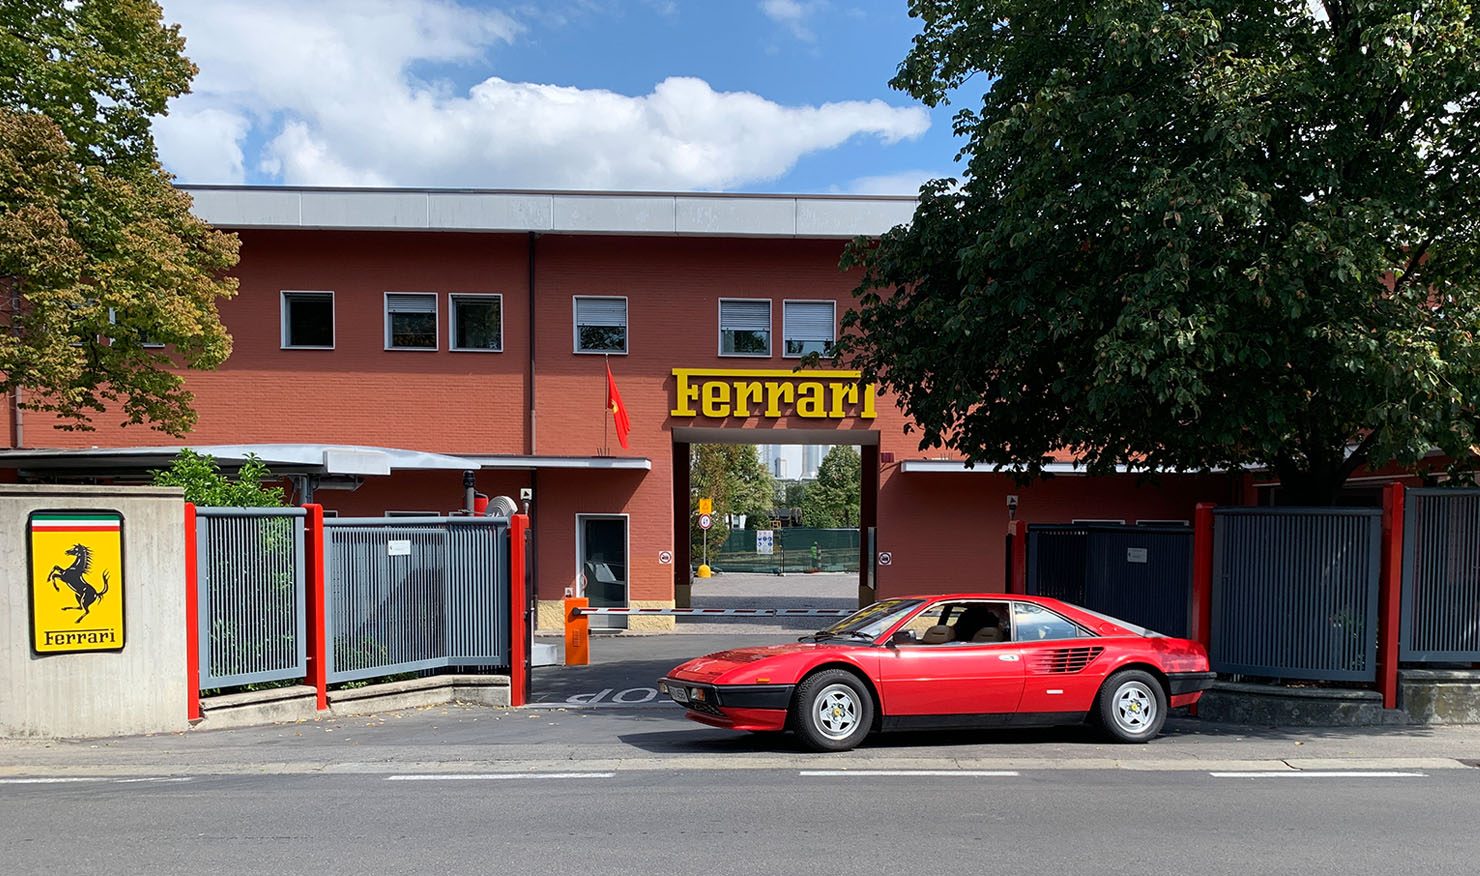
point(721, 393)
point(76, 581)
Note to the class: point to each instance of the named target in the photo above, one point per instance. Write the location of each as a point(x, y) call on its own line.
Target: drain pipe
point(529, 382)
point(17, 421)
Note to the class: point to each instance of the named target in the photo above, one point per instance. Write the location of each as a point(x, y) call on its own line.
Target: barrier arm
point(192, 618)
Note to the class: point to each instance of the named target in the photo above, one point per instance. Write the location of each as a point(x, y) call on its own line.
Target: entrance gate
point(1142, 574)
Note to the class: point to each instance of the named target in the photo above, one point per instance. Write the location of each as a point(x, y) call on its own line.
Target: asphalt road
point(773, 821)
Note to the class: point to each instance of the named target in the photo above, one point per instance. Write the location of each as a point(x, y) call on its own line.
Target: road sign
point(665, 558)
point(765, 542)
point(886, 558)
point(705, 521)
point(706, 506)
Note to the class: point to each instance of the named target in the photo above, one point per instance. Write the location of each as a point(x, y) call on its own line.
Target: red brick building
point(387, 341)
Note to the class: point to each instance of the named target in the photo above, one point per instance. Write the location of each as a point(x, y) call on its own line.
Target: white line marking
point(153, 779)
point(1318, 774)
point(456, 777)
point(57, 781)
point(832, 773)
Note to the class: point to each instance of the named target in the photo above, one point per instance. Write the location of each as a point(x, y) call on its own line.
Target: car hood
point(712, 666)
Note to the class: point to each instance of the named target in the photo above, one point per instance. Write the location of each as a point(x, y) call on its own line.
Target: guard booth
point(1142, 574)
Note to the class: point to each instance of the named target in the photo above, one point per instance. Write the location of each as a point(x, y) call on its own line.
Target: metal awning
point(332, 460)
point(957, 465)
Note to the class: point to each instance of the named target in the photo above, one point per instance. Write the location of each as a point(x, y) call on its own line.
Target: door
point(972, 682)
point(601, 565)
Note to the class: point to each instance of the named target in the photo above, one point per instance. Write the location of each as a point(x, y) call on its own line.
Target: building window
point(477, 322)
point(308, 320)
point(601, 324)
point(410, 321)
point(145, 340)
point(808, 327)
point(744, 327)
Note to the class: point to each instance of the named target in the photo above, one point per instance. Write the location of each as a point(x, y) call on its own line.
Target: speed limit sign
point(705, 521)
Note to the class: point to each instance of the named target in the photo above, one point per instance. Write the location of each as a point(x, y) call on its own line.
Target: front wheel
point(1132, 706)
point(832, 711)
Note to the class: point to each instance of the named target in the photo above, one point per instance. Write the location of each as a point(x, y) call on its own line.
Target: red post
point(192, 618)
point(518, 605)
point(1202, 573)
point(1018, 583)
point(317, 622)
point(1390, 594)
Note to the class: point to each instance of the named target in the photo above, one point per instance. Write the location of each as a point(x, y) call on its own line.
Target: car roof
point(1068, 608)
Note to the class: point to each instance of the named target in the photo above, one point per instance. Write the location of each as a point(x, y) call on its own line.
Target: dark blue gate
point(1142, 574)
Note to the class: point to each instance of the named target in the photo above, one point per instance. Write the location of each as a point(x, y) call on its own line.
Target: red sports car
point(957, 661)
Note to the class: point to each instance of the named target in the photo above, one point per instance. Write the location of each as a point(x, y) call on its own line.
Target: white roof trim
point(600, 463)
point(332, 459)
point(956, 465)
point(548, 212)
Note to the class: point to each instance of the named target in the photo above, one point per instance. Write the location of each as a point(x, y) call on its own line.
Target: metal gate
point(1295, 592)
point(1441, 576)
point(404, 594)
point(1142, 574)
point(250, 574)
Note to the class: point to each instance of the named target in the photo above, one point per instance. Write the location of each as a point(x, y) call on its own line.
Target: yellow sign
point(76, 581)
point(721, 393)
point(706, 506)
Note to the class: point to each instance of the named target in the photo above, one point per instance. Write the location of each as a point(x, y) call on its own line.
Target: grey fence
point(1142, 574)
point(1441, 576)
point(250, 569)
point(404, 594)
point(1295, 592)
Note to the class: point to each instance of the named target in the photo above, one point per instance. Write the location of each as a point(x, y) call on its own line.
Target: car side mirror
point(902, 637)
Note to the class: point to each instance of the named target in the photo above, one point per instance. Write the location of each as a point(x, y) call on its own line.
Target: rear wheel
point(1132, 706)
point(832, 711)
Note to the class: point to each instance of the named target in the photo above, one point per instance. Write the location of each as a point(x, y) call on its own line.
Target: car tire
point(832, 711)
point(1132, 706)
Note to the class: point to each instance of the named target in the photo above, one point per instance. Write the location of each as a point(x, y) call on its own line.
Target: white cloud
point(906, 182)
point(791, 14)
point(328, 94)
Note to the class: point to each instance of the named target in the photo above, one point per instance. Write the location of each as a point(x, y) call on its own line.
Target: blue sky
point(733, 95)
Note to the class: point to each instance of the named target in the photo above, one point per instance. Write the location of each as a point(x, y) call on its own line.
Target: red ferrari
point(958, 661)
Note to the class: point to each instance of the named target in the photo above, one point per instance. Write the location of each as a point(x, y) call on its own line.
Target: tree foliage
point(831, 501)
point(1190, 235)
point(101, 261)
point(206, 486)
point(733, 476)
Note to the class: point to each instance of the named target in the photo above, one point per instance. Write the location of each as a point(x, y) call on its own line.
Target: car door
point(1059, 662)
point(952, 679)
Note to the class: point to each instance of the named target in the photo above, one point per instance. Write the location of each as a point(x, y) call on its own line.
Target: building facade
point(387, 342)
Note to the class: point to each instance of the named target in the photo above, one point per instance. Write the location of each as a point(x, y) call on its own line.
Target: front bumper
point(733, 706)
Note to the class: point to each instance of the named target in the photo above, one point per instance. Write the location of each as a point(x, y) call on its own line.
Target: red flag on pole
point(619, 410)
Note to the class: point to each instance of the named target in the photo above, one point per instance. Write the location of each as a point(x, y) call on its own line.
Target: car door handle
point(1011, 658)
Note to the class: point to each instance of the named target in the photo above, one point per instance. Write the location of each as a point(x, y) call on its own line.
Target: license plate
point(679, 694)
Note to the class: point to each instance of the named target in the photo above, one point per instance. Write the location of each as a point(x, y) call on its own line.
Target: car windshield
point(870, 621)
point(1135, 628)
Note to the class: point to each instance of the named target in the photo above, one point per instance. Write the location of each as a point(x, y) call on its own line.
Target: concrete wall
point(141, 689)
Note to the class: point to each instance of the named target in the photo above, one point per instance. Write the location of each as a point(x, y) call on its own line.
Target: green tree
point(206, 486)
point(733, 476)
point(831, 501)
point(1190, 235)
point(101, 261)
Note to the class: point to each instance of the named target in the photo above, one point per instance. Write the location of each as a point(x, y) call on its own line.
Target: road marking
point(461, 777)
point(54, 781)
point(832, 773)
point(1319, 774)
point(58, 780)
point(154, 779)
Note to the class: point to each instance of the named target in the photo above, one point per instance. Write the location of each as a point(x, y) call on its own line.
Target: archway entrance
point(782, 551)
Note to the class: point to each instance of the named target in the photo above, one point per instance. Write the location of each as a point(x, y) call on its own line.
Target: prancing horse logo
point(72, 576)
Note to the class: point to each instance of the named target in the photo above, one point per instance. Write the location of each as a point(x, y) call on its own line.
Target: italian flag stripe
point(77, 522)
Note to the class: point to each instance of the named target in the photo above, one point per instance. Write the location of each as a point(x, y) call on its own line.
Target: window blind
point(745, 316)
point(809, 321)
point(601, 311)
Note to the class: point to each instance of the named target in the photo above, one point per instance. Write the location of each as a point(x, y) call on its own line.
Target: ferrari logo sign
point(76, 581)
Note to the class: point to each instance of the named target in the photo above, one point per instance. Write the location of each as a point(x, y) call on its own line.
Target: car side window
point(921, 623)
point(1034, 623)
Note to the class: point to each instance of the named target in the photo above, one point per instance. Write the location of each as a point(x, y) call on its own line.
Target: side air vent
point(1063, 660)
